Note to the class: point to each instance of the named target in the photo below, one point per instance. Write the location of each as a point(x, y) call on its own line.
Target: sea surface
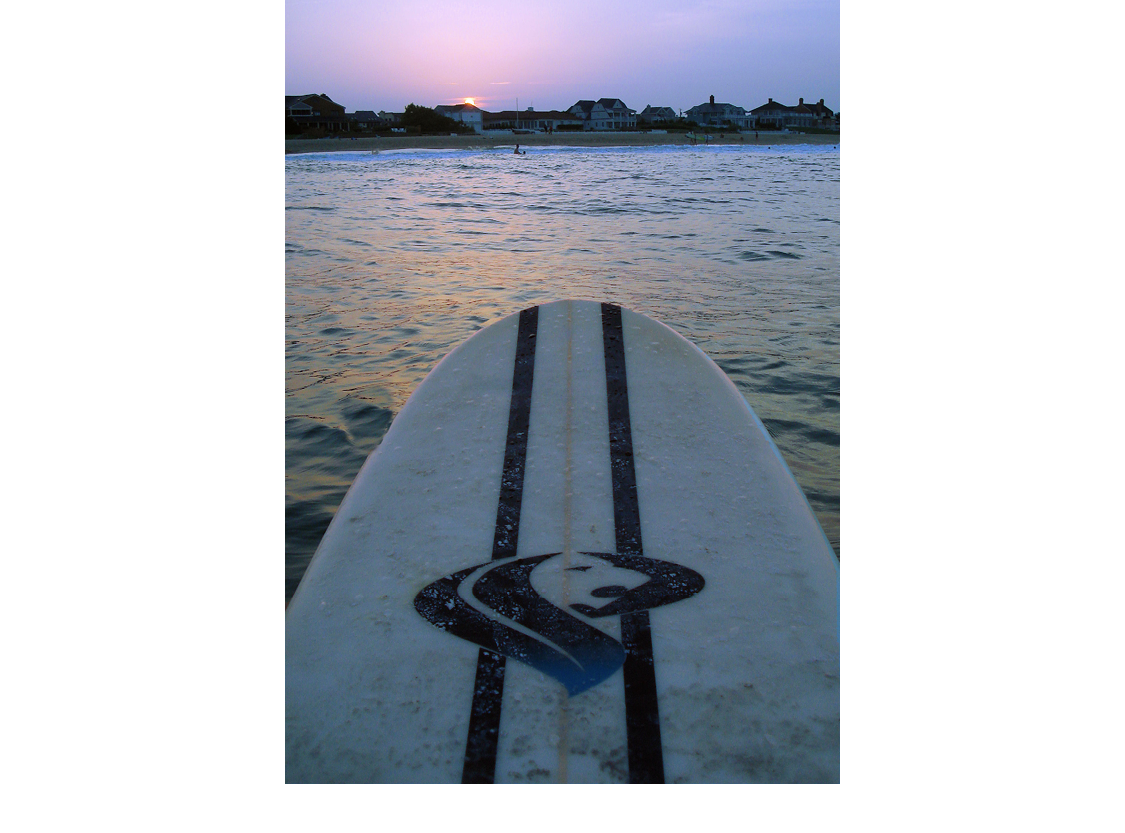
point(393, 258)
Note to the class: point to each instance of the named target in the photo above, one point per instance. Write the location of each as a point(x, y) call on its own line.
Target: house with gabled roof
point(365, 120)
point(316, 110)
point(711, 114)
point(822, 116)
point(295, 105)
point(605, 114)
point(774, 115)
point(656, 114)
point(468, 114)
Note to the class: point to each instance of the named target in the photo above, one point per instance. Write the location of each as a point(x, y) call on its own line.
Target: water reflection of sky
point(394, 259)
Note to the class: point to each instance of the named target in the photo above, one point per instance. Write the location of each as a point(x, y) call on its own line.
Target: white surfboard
point(576, 556)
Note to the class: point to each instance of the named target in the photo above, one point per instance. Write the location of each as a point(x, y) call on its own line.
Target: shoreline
point(586, 139)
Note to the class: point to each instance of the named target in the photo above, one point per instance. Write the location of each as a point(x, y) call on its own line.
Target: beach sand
point(585, 139)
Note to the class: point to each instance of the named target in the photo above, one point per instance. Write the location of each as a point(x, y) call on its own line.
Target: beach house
point(316, 111)
point(821, 115)
point(653, 115)
point(605, 114)
point(532, 119)
point(711, 114)
point(365, 120)
point(774, 115)
point(468, 114)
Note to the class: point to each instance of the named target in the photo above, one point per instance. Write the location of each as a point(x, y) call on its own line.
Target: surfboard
point(575, 557)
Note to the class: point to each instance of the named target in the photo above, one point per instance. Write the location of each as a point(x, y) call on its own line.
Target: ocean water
point(394, 258)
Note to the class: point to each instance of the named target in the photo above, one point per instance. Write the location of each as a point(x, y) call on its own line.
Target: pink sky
point(382, 56)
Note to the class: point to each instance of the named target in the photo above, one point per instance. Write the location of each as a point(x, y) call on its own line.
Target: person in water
point(520, 151)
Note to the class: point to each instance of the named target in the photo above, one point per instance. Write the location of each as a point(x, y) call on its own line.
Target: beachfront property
point(531, 119)
point(652, 115)
point(605, 114)
point(821, 115)
point(365, 120)
point(774, 115)
point(318, 112)
point(312, 110)
point(711, 114)
point(468, 114)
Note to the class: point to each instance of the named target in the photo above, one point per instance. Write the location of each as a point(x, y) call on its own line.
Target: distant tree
point(430, 121)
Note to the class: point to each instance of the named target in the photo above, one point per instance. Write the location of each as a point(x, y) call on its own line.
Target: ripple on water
point(735, 248)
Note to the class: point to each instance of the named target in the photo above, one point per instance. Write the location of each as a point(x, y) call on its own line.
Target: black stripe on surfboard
point(488, 687)
point(642, 713)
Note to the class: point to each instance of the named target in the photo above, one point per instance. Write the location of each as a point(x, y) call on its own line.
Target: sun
point(470, 101)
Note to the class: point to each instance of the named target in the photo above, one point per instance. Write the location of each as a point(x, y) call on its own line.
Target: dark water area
point(394, 258)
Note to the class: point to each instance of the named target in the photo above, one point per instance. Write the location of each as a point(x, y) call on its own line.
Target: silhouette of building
point(316, 110)
point(654, 115)
point(773, 115)
point(718, 115)
point(468, 114)
point(605, 114)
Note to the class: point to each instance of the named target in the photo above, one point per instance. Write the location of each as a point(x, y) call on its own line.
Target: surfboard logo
point(496, 606)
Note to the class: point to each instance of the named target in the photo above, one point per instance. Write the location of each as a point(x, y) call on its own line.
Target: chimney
point(800, 102)
point(712, 99)
point(771, 101)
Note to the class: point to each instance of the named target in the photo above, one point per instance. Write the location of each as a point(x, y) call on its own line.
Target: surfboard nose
point(574, 490)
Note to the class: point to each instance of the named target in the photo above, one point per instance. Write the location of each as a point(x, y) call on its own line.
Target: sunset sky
point(375, 55)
